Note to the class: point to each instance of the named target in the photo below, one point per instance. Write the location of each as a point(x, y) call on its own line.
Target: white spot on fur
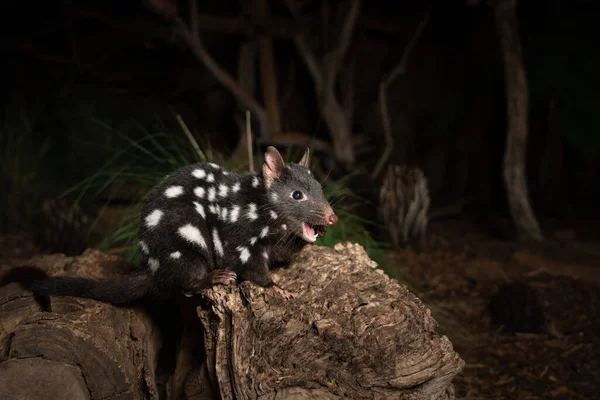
point(273, 214)
point(210, 177)
point(153, 264)
point(174, 191)
point(176, 255)
point(265, 255)
point(225, 172)
point(214, 165)
point(253, 240)
point(255, 182)
point(284, 226)
point(217, 242)
point(199, 191)
point(274, 196)
point(200, 209)
point(236, 187)
point(224, 212)
point(264, 232)
point(199, 173)
point(153, 218)
point(234, 214)
point(251, 214)
point(223, 190)
point(192, 234)
point(244, 253)
point(144, 247)
point(213, 208)
point(308, 171)
point(212, 193)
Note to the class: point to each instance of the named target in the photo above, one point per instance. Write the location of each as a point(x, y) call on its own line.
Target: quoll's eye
point(297, 195)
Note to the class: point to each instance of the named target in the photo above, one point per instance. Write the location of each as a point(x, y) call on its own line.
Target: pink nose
point(333, 219)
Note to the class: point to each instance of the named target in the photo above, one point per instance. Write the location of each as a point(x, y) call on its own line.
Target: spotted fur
point(202, 219)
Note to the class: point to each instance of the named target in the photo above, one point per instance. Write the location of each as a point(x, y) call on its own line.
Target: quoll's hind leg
point(188, 274)
point(199, 281)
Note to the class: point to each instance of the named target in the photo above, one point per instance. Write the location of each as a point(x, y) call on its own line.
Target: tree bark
point(349, 332)
point(517, 116)
point(82, 349)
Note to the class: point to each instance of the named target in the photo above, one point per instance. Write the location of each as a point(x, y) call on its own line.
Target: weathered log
point(349, 332)
point(81, 349)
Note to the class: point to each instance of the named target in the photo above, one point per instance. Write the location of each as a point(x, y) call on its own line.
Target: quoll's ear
point(305, 161)
point(273, 166)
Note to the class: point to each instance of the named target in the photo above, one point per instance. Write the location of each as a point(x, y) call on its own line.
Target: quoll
point(204, 225)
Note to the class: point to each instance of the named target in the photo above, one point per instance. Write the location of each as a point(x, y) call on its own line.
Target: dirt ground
point(459, 275)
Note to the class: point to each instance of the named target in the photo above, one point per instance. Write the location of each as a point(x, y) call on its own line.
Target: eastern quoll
point(204, 225)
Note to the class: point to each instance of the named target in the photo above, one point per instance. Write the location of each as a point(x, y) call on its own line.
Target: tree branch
point(195, 45)
point(385, 114)
point(334, 60)
point(304, 49)
point(324, 75)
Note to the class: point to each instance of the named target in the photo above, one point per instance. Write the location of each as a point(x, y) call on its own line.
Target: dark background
point(81, 80)
point(116, 62)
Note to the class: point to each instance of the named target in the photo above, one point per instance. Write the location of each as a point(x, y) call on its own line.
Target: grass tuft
point(138, 163)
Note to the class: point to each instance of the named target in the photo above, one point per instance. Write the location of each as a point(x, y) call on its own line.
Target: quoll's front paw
point(223, 276)
point(282, 292)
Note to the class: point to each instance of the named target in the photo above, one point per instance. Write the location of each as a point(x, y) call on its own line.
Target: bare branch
point(335, 59)
point(401, 67)
point(324, 75)
point(190, 137)
point(385, 114)
point(309, 59)
point(347, 89)
point(195, 45)
point(305, 51)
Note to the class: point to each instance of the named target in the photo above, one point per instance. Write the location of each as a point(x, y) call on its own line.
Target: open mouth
point(310, 232)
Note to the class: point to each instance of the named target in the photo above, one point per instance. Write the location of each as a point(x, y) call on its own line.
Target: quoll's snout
point(332, 219)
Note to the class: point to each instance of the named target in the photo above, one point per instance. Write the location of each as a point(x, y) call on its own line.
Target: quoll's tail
point(119, 290)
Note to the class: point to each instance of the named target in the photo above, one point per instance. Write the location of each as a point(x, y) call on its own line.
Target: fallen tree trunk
point(350, 332)
point(82, 349)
